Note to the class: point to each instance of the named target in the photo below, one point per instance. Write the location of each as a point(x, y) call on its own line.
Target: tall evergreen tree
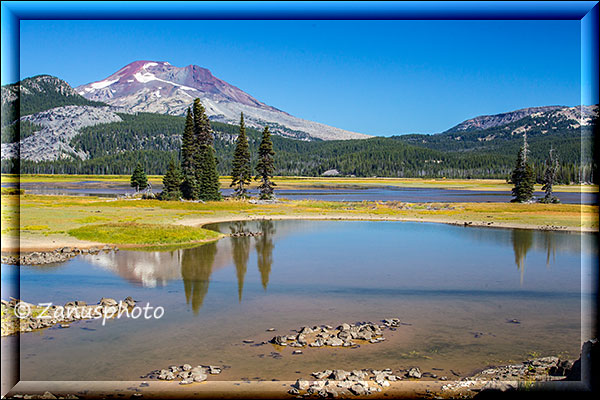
point(550, 178)
point(171, 182)
point(265, 166)
point(241, 172)
point(205, 162)
point(139, 180)
point(209, 180)
point(523, 176)
point(189, 148)
point(202, 131)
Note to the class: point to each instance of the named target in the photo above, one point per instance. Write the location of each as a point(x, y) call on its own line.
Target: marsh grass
point(132, 233)
point(83, 215)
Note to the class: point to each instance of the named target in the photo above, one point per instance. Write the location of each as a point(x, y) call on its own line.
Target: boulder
point(301, 339)
point(339, 374)
point(199, 377)
point(322, 374)
point(105, 301)
point(345, 335)
point(305, 330)
point(280, 340)
point(301, 384)
point(214, 370)
point(414, 373)
point(358, 390)
point(129, 302)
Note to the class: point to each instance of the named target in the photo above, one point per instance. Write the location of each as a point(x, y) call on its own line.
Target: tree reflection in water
point(522, 240)
point(240, 247)
point(197, 263)
point(196, 268)
point(550, 246)
point(264, 250)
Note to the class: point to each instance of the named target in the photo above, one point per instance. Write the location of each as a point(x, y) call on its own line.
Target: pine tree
point(209, 180)
point(549, 178)
point(523, 176)
point(265, 166)
point(171, 182)
point(205, 162)
point(139, 180)
point(189, 184)
point(241, 172)
point(202, 131)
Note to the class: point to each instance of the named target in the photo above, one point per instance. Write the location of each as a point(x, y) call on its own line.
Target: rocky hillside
point(39, 93)
point(159, 87)
point(59, 126)
point(490, 121)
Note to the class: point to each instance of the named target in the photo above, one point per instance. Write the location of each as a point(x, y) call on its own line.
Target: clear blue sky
point(376, 77)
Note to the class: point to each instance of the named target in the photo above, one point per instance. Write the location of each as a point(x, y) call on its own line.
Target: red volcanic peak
point(167, 79)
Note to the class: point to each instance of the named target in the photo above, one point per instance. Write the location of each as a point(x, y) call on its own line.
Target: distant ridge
point(490, 121)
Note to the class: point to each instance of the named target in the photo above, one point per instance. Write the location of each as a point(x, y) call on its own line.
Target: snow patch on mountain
point(103, 84)
point(135, 87)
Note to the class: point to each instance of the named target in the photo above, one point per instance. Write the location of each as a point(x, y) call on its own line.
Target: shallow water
point(386, 193)
point(454, 288)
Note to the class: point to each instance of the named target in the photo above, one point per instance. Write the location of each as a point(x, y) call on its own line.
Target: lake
point(381, 193)
point(455, 289)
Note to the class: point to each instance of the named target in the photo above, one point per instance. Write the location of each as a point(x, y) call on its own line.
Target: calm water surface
point(455, 288)
point(387, 193)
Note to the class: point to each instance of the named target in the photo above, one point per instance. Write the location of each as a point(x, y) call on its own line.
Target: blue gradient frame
point(587, 12)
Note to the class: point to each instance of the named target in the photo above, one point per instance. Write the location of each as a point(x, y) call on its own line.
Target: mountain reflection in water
point(194, 266)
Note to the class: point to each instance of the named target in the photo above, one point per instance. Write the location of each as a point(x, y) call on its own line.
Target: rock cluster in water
point(40, 317)
point(334, 383)
point(342, 336)
point(245, 234)
point(545, 368)
point(55, 256)
point(186, 374)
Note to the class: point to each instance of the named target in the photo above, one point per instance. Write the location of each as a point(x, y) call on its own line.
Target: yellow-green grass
point(131, 233)
point(291, 182)
point(50, 220)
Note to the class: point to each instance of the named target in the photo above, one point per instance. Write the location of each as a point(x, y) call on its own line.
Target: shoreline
point(533, 373)
point(465, 223)
point(468, 387)
point(202, 222)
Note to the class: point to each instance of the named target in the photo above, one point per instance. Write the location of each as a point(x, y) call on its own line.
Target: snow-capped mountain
point(159, 87)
